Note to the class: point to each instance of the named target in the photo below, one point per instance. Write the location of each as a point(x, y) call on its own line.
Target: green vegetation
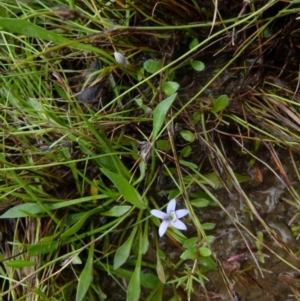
point(110, 109)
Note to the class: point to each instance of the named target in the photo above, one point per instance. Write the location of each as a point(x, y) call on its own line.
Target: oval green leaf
point(200, 203)
point(194, 43)
point(198, 65)
point(207, 264)
point(152, 66)
point(187, 135)
point(205, 251)
point(190, 253)
point(170, 87)
point(221, 103)
point(197, 116)
point(191, 242)
point(208, 226)
point(186, 151)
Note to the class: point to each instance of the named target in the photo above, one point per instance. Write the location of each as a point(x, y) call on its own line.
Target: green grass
point(80, 187)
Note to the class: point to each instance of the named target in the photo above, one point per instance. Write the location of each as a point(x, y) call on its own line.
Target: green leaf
point(208, 226)
point(221, 103)
point(170, 74)
point(75, 228)
point(23, 210)
point(159, 114)
point(200, 203)
point(142, 168)
point(188, 164)
point(170, 87)
point(187, 135)
point(198, 65)
point(160, 270)
point(125, 188)
point(134, 286)
point(147, 280)
point(123, 251)
point(140, 103)
point(205, 251)
point(197, 117)
point(116, 211)
point(190, 253)
point(76, 260)
point(152, 66)
point(207, 264)
point(186, 151)
point(145, 241)
point(62, 94)
point(20, 263)
point(157, 294)
point(78, 225)
point(71, 259)
point(260, 236)
point(163, 145)
point(42, 248)
point(213, 179)
point(86, 277)
point(210, 238)
point(203, 196)
point(194, 43)
point(30, 209)
point(191, 242)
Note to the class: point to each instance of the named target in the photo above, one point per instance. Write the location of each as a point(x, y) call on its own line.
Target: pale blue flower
point(170, 218)
point(120, 58)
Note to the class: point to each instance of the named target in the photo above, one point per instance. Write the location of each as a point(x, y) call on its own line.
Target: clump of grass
point(82, 189)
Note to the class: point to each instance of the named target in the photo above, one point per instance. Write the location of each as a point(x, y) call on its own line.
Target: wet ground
point(248, 278)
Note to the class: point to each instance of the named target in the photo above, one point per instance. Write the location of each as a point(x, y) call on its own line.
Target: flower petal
point(179, 225)
point(163, 228)
point(158, 213)
point(181, 213)
point(171, 206)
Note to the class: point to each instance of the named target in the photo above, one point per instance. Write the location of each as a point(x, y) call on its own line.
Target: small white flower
point(170, 218)
point(120, 58)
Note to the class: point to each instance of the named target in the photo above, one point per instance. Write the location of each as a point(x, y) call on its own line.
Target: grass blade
point(28, 29)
